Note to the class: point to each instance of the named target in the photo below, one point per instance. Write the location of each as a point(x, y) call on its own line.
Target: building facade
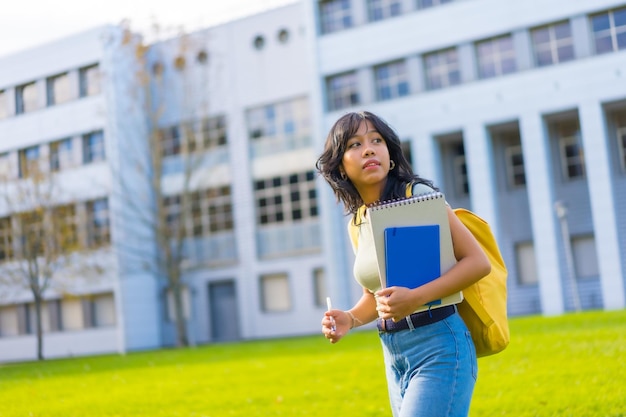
point(515, 111)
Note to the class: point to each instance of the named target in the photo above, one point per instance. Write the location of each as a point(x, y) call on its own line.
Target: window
point(343, 91)
point(93, 147)
point(405, 145)
point(6, 239)
point(442, 69)
point(58, 89)
point(258, 42)
point(211, 211)
point(609, 30)
point(31, 234)
point(283, 36)
point(552, 44)
point(423, 4)
point(102, 310)
point(213, 132)
point(383, 9)
point(275, 293)
point(5, 166)
point(391, 80)
point(61, 155)
point(585, 257)
point(4, 104)
point(98, 231)
point(9, 321)
point(172, 210)
point(72, 317)
point(515, 166)
point(65, 223)
point(621, 145)
point(526, 263)
point(26, 99)
point(496, 57)
point(89, 80)
point(320, 291)
point(572, 157)
point(335, 15)
point(29, 161)
point(279, 127)
point(286, 199)
point(170, 141)
point(461, 182)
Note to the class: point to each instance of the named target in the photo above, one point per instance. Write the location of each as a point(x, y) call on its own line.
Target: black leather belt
point(418, 319)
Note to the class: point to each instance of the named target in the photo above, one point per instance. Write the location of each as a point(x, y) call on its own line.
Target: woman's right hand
point(341, 321)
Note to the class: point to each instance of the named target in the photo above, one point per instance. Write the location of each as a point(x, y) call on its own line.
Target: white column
point(480, 170)
point(536, 149)
point(366, 86)
point(359, 13)
point(597, 164)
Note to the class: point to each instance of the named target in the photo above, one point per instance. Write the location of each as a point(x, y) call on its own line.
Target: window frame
point(93, 147)
point(26, 98)
point(275, 293)
point(378, 10)
point(89, 81)
point(514, 170)
point(29, 159)
point(98, 223)
point(4, 104)
point(615, 33)
point(496, 57)
point(553, 45)
point(58, 89)
point(335, 16)
point(342, 91)
point(564, 142)
point(285, 199)
point(443, 71)
point(525, 268)
point(61, 155)
point(395, 81)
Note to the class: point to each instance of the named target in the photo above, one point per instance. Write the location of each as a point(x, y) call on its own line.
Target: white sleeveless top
point(365, 267)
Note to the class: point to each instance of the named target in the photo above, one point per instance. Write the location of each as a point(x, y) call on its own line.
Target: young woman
point(429, 356)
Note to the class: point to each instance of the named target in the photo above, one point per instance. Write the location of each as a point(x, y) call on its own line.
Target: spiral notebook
point(413, 242)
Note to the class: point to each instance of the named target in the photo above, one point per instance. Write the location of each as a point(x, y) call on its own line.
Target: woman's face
point(366, 162)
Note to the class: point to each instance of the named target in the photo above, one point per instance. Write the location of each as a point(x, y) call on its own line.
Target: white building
point(509, 107)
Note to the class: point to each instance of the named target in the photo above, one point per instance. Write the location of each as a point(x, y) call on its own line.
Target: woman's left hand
point(395, 303)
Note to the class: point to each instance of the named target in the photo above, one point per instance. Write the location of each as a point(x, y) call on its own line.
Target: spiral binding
point(405, 201)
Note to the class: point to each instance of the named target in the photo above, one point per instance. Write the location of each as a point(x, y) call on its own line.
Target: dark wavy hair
point(330, 160)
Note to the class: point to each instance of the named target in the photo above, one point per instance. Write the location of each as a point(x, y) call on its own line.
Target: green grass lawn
point(574, 365)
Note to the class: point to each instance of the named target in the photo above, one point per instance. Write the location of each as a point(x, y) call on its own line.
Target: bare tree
point(168, 138)
point(44, 245)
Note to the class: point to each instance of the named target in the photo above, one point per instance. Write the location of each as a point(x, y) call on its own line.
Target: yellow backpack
point(483, 308)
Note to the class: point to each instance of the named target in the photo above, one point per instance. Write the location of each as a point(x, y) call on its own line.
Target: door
point(223, 311)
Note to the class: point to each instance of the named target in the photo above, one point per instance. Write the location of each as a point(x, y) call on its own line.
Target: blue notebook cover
point(412, 255)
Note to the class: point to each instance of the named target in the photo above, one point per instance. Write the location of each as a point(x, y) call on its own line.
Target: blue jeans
point(431, 370)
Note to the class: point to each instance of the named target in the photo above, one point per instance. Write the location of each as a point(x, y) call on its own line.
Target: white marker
point(329, 305)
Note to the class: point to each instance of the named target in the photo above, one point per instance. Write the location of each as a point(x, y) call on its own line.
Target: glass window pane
point(566, 53)
point(541, 35)
point(544, 58)
point(604, 44)
point(562, 30)
point(600, 22)
point(621, 40)
point(619, 17)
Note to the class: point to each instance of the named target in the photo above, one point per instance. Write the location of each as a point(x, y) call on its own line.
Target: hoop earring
point(392, 165)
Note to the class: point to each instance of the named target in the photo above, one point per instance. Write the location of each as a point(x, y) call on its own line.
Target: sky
point(28, 23)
